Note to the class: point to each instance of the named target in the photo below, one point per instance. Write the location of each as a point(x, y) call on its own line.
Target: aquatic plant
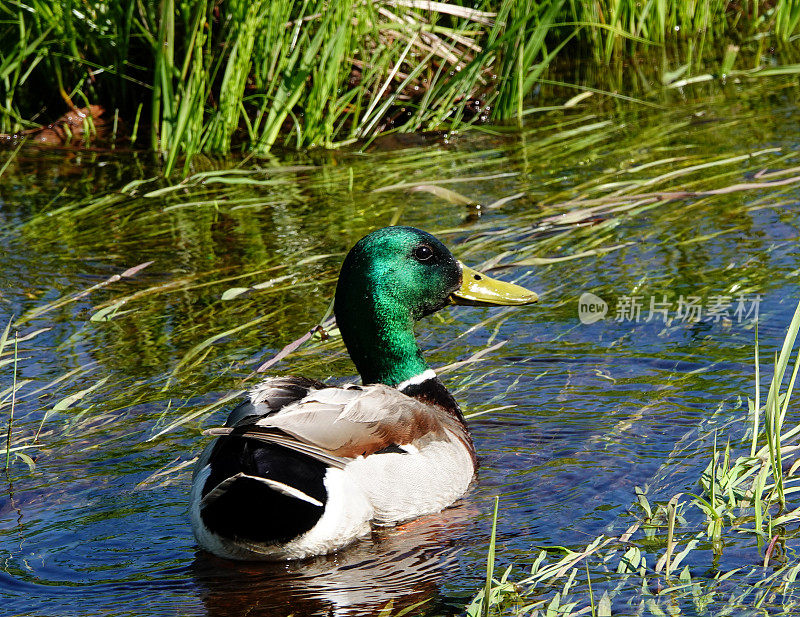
point(203, 77)
point(746, 497)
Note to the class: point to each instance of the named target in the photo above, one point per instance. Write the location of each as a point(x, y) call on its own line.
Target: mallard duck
point(302, 468)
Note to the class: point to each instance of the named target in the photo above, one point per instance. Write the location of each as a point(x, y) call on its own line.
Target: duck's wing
point(272, 395)
point(336, 425)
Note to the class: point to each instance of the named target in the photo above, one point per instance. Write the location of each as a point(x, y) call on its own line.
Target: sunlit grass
point(255, 74)
point(302, 73)
point(750, 497)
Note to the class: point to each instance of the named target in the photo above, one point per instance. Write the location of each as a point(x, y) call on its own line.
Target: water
point(586, 412)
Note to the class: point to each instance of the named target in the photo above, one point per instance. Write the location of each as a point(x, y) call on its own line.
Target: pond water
point(117, 378)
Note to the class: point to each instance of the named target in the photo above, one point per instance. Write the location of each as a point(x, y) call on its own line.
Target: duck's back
point(302, 469)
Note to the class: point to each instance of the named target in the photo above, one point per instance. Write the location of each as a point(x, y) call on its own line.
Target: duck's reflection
point(401, 565)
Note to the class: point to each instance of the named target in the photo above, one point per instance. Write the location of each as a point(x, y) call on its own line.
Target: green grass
point(255, 74)
point(750, 497)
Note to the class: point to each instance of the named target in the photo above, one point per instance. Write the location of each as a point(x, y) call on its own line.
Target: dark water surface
point(586, 412)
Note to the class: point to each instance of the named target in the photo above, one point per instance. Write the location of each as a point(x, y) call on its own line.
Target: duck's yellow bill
point(479, 290)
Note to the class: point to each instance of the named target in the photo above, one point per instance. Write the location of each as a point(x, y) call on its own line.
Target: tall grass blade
point(487, 593)
point(757, 400)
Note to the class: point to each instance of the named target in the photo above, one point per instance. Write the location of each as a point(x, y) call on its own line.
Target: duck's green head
point(393, 277)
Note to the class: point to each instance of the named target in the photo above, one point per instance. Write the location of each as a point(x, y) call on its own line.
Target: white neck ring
point(417, 379)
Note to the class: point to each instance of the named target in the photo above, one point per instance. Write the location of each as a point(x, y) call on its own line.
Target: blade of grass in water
point(13, 392)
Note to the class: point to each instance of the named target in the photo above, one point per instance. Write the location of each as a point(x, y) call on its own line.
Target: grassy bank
point(185, 77)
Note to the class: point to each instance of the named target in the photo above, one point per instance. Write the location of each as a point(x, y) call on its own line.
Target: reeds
point(325, 73)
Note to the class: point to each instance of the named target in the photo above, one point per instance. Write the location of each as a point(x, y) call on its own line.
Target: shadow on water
point(118, 375)
point(403, 566)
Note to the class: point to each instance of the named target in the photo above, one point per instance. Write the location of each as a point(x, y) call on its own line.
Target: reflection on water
point(115, 385)
point(403, 566)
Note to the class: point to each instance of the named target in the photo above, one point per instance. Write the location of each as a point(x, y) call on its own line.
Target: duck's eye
point(423, 253)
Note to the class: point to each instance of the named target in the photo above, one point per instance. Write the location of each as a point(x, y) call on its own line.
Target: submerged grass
point(551, 224)
point(320, 73)
point(3, 341)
